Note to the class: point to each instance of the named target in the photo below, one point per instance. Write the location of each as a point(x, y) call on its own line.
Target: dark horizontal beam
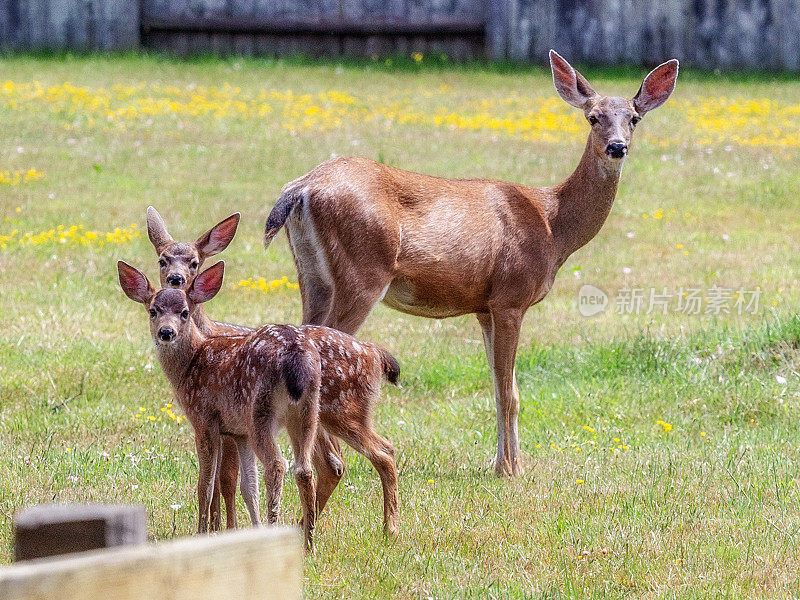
point(262, 25)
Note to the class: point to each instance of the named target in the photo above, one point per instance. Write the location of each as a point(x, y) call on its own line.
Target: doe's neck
point(583, 200)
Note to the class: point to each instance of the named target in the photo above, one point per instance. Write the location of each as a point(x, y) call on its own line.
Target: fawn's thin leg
point(249, 483)
point(328, 462)
point(302, 433)
point(216, 508)
point(505, 337)
point(228, 474)
point(268, 452)
point(207, 444)
point(380, 452)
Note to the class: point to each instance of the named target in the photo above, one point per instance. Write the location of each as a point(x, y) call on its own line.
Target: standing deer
point(362, 232)
point(179, 263)
point(245, 387)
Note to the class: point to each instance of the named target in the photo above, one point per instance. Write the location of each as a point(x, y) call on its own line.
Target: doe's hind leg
point(350, 307)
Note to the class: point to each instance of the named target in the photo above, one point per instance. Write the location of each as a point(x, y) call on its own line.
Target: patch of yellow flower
point(265, 286)
point(166, 414)
point(74, 235)
point(667, 427)
point(19, 177)
point(715, 120)
point(121, 105)
point(744, 121)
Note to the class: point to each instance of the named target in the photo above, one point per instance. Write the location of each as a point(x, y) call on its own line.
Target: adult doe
point(362, 232)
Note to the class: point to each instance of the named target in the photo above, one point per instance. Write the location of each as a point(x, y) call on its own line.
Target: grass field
point(661, 450)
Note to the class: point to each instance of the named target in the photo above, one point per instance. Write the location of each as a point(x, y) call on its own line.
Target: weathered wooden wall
point(315, 27)
point(705, 33)
point(69, 24)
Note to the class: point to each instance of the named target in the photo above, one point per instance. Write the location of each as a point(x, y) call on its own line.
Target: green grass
point(708, 509)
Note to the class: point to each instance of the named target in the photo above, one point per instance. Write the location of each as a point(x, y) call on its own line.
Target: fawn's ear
point(656, 87)
point(135, 283)
point(216, 239)
point(570, 85)
point(206, 285)
point(157, 230)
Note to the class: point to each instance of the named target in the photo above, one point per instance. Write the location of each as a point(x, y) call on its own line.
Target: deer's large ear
point(216, 239)
point(206, 285)
point(656, 87)
point(570, 85)
point(157, 230)
point(135, 283)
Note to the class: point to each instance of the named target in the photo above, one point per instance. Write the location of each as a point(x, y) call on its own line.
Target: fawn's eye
point(635, 120)
point(185, 314)
point(152, 313)
point(162, 263)
point(593, 120)
point(194, 264)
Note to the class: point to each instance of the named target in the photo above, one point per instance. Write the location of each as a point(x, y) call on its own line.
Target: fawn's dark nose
point(616, 150)
point(175, 280)
point(166, 335)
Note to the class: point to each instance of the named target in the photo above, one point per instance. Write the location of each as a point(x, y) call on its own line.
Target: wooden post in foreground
point(52, 529)
point(251, 564)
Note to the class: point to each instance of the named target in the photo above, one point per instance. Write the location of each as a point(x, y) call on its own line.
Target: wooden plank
point(251, 564)
point(50, 530)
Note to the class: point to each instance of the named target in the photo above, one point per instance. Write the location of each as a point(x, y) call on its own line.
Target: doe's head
point(612, 118)
point(170, 308)
point(179, 262)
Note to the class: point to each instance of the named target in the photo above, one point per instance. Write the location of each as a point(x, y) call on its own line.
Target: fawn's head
point(169, 308)
point(612, 118)
point(179, 262)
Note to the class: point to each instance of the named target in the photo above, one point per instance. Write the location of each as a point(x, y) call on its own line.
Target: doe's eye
point(635, 120)
point(194, 264)
point(162, 263)
point(185, 314)
point(593, 120)
point(152, 313)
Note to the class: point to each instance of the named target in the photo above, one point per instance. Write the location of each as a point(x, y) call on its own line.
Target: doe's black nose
point(166, 335)
point(174, 279)
point(616, 150)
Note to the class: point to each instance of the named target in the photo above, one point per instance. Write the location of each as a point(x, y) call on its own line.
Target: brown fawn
point(179, 263)
point(362, 232)
point(239, 385)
